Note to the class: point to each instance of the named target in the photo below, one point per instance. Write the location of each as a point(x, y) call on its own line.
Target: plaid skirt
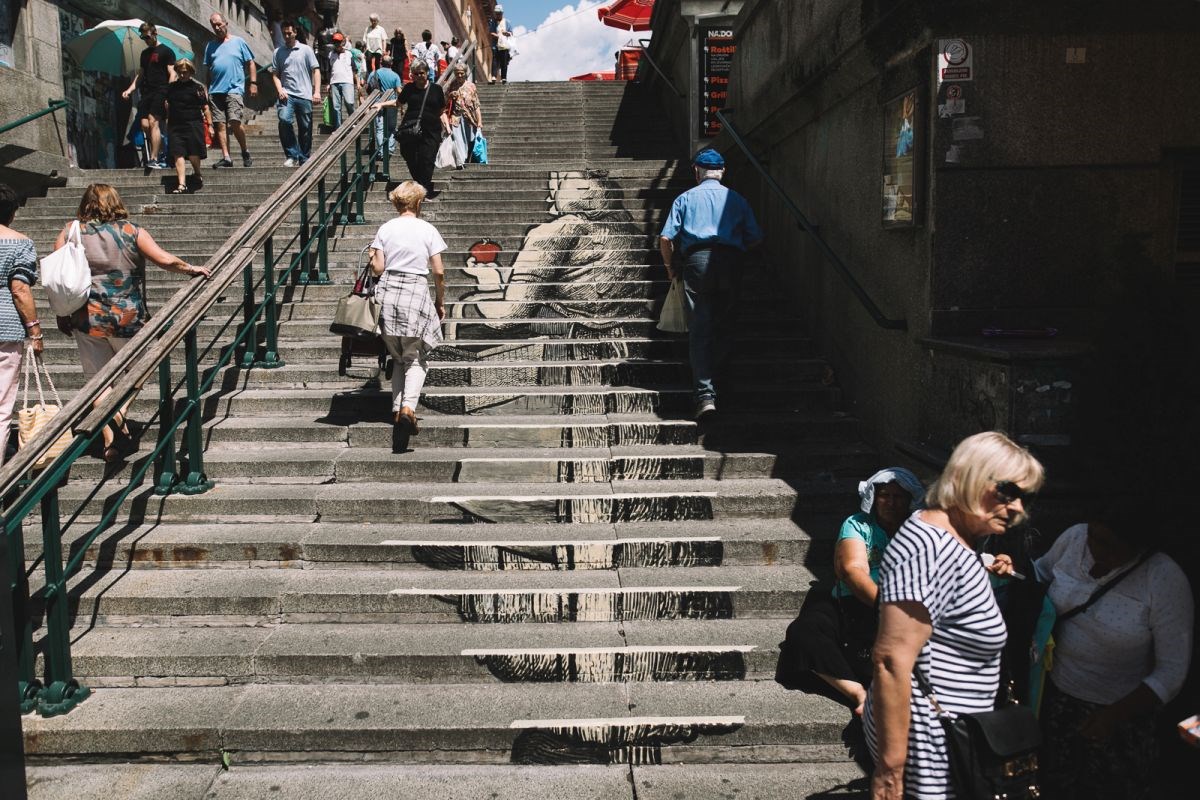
point(407, 308)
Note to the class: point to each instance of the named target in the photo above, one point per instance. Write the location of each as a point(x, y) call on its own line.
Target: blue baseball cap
point(709, 159)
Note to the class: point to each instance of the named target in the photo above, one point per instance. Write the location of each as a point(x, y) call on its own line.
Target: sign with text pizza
point(716, 60)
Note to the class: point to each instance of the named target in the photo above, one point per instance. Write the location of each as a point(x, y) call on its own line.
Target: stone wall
point(34, 77)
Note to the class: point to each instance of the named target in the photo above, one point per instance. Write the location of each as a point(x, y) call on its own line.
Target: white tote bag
point(66, 275)
point(673, 318)
point(31, 419)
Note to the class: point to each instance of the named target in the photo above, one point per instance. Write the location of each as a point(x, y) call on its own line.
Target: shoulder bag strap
point(927, 688)
point(1096, 595)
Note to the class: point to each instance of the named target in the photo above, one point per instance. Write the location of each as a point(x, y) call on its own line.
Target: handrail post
point(196, 481)
point(343, 208)
point(27, 683)
point(12, 745)
point(387, 151)
point(62, 691)
point(165, 475)
point(359, 179)
point(270, 357)
point(305, 237)
point(323, 217)
point(250, 344)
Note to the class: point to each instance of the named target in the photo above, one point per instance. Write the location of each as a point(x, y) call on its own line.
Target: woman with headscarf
point(831, 639)
point(466, 119)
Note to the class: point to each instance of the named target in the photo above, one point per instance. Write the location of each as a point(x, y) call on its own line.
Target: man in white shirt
point(452, 51)
point(374, 43)
point(343, 80)
point(430, 53)
point(500, 35)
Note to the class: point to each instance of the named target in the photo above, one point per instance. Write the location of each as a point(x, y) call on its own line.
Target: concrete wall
point(34, 78)
point(443, 18)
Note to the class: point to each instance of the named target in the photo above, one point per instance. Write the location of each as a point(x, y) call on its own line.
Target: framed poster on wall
point(902, 144)
point(716, 59)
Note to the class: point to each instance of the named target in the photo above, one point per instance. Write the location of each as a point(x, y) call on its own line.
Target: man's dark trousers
point(420, 157)
point(712, 279)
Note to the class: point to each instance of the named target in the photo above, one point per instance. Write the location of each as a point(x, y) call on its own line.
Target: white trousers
point(408, 371)
point(10, 376)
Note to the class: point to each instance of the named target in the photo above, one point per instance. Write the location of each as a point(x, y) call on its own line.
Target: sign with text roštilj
point(716, 59)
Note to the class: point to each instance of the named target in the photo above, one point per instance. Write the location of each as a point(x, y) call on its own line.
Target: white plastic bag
point(66, 275)
point(673, 318)
point(445, 155)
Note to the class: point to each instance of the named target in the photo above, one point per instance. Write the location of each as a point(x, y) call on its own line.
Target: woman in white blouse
point(1116, 662)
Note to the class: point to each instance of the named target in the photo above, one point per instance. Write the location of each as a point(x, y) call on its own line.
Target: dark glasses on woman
point(1010, 492)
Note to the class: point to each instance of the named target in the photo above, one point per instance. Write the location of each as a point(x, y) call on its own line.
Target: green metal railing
point(51, 107)
point(253, 328)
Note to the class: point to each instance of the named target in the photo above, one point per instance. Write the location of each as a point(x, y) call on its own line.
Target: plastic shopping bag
point(445, 154)
point(479, 153)
point(673, 318)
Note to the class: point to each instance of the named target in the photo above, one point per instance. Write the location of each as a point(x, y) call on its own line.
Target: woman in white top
point(938, 615)
point(402, 253)
point(1117, 661)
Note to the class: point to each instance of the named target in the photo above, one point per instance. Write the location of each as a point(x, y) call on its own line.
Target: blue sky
point(557, 39)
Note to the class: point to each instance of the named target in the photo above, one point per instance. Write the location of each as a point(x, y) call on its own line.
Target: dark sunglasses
point(145, 37)
point(1010, 492)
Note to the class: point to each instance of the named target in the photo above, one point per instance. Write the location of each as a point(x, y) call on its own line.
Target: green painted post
point(165, 476)
point(305, 237)
point(196, 481)
point(28, 686)
point(387, 156)
point(323, 219)
point(250, 343)
point(359, 191)
point(62, 691)
point(343, 208)
point(270, 357)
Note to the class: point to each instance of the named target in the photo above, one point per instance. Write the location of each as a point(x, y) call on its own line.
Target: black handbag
point(992, 753)
point(410, 130)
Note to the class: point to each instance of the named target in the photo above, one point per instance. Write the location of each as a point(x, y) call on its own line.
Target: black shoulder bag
point(992, 753)
point(410, 130)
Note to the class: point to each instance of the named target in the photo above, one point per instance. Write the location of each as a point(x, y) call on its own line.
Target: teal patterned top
point(116, 307)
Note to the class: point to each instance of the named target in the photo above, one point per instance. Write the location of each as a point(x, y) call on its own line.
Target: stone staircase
point(564, 586)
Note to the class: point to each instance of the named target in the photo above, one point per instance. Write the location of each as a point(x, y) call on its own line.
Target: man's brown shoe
point(407, 418)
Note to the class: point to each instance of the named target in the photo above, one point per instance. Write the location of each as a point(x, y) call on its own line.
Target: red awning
point(628, 15)
point(596, 76)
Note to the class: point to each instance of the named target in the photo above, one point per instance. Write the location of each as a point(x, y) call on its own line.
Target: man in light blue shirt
point(714, 226)
point(383, 79)
point(297, 77)
point(227, 58)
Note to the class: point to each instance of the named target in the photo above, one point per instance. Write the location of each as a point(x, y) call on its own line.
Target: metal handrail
point(151, 350)
point(645, 43)
point(52, 106)
point(806, 225)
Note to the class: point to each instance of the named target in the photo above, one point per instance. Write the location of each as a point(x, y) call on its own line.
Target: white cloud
point(570, 41)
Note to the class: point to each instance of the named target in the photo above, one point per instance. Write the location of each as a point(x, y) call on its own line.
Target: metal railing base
point(60, 697)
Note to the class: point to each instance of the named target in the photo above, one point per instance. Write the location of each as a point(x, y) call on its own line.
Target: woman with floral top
point(116, 251)
point(466, 118)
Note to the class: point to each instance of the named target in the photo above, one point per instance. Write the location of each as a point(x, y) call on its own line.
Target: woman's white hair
point(976, 465)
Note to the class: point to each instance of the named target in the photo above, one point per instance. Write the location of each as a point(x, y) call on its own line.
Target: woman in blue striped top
point(938, 614)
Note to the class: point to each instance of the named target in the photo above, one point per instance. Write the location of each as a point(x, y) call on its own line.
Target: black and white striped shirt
point(928, 565)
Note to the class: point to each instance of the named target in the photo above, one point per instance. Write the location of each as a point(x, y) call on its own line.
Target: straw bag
point(31, 419)
point(673, 318)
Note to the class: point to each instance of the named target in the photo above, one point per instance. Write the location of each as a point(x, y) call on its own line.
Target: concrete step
point(544, 504)
point(155, 597)
point(498, 547)
point(443, 723)
point(269, 461)
point(572, 652)
point(149, 781)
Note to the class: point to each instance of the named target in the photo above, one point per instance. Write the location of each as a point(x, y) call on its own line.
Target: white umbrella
point(115, 47)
